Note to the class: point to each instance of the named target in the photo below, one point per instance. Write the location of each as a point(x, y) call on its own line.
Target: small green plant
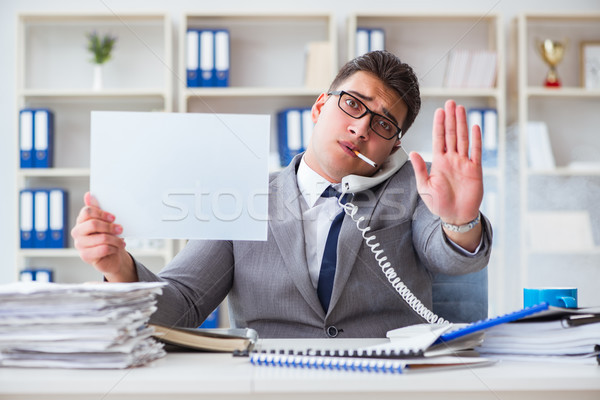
point(100, 47)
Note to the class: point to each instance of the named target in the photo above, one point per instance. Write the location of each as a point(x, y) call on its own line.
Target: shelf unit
point(267, 63)
point(267, 67)
point(424, 40)
point(138, 78)
point(571, 114)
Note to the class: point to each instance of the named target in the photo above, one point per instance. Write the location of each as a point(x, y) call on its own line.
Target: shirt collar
point(311, 184)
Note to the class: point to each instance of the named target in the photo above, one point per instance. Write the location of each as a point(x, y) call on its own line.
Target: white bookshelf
point(571, 115)
point(54, 72)
point(424, 41)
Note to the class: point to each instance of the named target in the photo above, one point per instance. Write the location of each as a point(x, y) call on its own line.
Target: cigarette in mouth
point(365, 159)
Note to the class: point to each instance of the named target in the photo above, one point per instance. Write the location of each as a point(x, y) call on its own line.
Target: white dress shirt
point(317, 215)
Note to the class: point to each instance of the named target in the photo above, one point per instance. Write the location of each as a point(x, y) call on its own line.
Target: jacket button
point(332, 331)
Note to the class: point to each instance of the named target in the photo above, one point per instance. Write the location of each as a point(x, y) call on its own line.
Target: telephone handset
point(356, 183)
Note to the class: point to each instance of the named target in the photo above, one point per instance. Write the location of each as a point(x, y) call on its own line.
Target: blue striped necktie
point(327, 274)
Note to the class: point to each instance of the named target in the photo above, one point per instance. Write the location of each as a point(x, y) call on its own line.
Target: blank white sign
point(182, 176)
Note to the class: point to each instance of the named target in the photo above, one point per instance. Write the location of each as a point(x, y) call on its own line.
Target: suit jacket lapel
point(285, 223)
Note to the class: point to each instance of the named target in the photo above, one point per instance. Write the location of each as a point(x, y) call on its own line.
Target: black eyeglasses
point(355, 108)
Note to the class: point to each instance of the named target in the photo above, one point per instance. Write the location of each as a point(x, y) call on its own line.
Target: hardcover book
point(214, 340)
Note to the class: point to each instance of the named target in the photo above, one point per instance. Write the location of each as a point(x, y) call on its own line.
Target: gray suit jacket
point(268, 283)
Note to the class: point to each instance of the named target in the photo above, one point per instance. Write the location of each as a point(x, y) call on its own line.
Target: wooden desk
point(221, 376)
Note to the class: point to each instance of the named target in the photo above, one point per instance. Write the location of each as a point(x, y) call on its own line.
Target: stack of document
point(100, 325)
point(561, 335)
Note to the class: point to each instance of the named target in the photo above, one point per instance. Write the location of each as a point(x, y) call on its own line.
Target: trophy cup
point(552, 53)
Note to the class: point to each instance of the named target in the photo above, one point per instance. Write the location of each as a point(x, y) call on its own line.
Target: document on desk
point(78, 325)
point(182, 176)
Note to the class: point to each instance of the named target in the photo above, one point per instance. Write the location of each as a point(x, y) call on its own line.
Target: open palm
point(453, 188)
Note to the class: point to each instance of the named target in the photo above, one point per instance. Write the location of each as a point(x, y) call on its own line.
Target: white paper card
point(182, 176)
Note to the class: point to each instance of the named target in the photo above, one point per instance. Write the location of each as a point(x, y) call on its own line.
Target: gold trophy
point(552, 53)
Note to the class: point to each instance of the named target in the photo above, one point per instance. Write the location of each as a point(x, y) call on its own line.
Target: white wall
point(10, 8)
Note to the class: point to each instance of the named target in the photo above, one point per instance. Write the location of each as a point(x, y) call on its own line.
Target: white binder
point(26, 138)
point(41, 218)
point(191, 58)
point(207, 58)
point(221, 58)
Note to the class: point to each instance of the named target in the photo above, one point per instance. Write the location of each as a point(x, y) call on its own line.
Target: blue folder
point(57, 221)
point(222, 53)
point(291, 133)
point(43, 127)
point(487, 119)
point(40, 220)
point(26, 218)
point(192, 58)
point(26, 137)
point(207, 57)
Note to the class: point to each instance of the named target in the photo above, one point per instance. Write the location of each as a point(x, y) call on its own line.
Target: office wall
point(10, 8)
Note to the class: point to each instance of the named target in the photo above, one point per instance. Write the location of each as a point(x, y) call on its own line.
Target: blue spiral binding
point(328, 363)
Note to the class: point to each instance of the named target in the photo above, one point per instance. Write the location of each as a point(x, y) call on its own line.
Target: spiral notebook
point(413, 347)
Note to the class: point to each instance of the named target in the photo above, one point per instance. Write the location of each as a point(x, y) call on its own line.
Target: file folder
point(26, 138)
point(490, 138)
point(42, 138)
point(192, 56)
point(475, 117)
point(362, 41)
point(207, 58)
point(376, 39)
point(221, 58)
point(36, 275)
point(57, 209)
point(290, 134)
point(26, 217)
point(27, 275)
point(43, 275)
point(487, 119)
point(40, 220)
point(307, 127)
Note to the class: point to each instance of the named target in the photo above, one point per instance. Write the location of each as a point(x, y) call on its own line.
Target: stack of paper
point(569, 336)
point(77, 325)
point(471, 69)
point(539, 146)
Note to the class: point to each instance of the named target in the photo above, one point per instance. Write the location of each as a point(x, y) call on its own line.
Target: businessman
point(296, 283)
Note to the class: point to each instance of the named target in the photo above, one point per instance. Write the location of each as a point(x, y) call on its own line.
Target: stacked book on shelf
point(471, 69)
point(36, 274)
point(487, 120)
point(36, 133)
point(369, 39)
point(43, 218)
point(207, 57)
point(294, 129)
point(103, 325)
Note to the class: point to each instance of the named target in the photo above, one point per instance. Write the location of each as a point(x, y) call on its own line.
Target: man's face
point(336, 134)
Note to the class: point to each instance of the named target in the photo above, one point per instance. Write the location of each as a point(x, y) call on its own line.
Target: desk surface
point(221, 376)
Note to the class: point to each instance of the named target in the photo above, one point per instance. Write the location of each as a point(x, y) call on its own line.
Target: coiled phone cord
point(389, 271)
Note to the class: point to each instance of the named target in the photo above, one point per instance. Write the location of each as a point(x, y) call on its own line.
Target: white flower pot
point(97, 77)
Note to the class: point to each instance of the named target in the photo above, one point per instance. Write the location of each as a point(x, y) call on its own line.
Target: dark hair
point(393, 73)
